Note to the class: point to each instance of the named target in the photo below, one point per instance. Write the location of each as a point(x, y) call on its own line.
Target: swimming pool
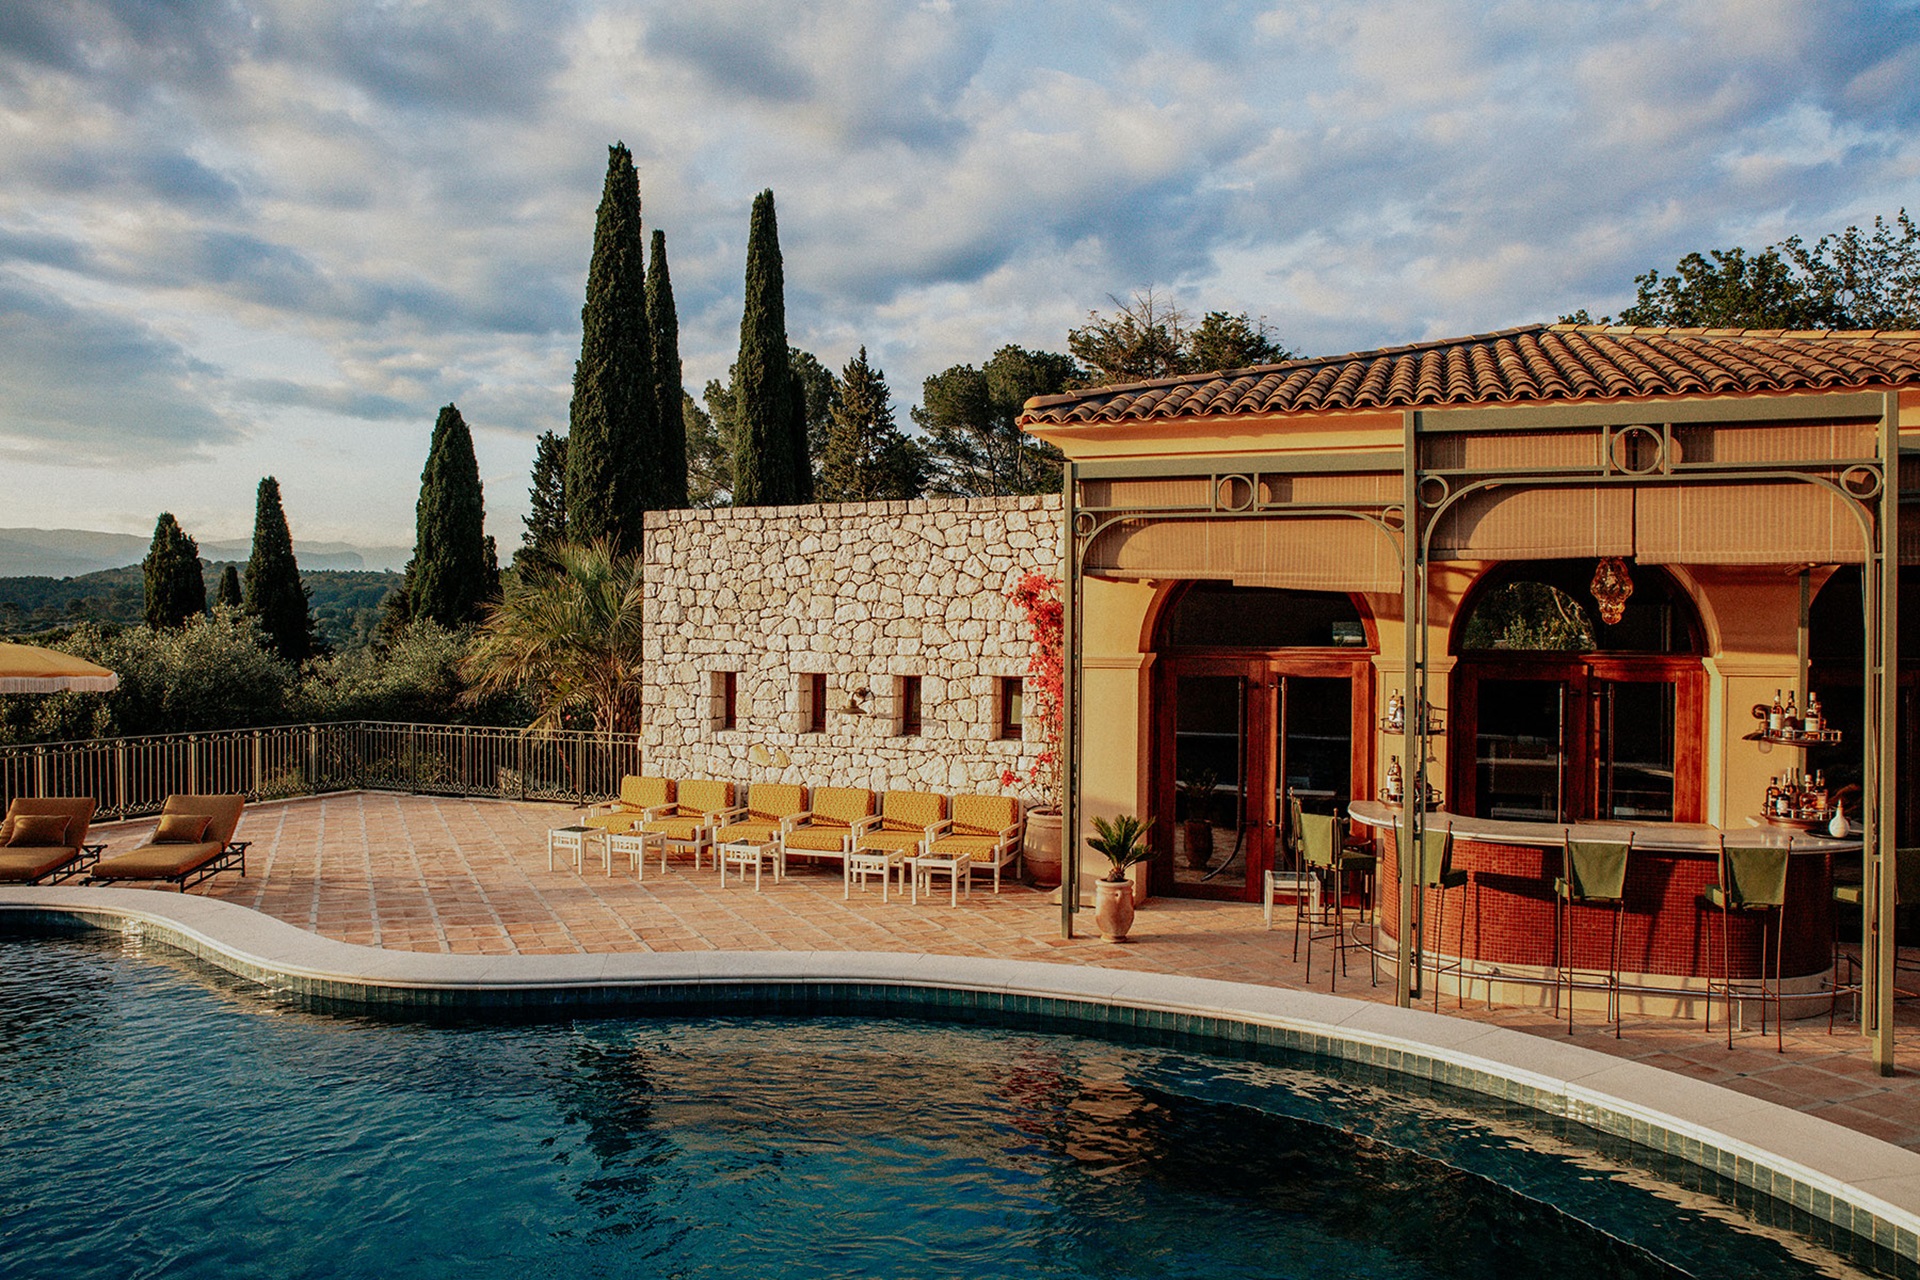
point(161, 1118)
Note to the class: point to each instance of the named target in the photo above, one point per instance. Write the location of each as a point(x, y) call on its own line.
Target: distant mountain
point(69, 553)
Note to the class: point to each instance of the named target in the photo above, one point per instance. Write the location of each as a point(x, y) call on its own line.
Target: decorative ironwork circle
point(1862, 482)
point(1622, 448)
point(1234, 493)
point(1434, 490)
point(1084, 523)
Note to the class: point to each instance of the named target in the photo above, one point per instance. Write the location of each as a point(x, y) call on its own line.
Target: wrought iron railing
point(128, 777)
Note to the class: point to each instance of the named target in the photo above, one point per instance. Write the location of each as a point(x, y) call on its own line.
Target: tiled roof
point(1539, 363)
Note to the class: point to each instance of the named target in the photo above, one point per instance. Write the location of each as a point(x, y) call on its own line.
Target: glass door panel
point(1316, 750)
point(1210, 771)
point(1520, 754)
point(1634, 763)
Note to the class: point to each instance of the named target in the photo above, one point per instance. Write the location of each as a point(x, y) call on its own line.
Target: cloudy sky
point(251, 237)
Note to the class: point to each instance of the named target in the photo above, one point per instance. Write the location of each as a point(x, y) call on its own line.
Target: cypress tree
point(670, 477)
point(770, 465)
point(612, 442)
point(275, 595)
point(176, 590)
point(228, 593)
point(449, 540)
point(546, 519)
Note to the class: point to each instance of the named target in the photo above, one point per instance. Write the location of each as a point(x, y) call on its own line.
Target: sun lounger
point(987, 827)
point(689, 821)
point(637, 795)
point(193, 841)
point(826, 830)
point(45, 838)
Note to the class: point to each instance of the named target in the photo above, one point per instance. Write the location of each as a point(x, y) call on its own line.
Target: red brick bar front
point(1506, 913)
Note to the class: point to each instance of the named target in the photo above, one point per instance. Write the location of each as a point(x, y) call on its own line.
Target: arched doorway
point(1560, 716)
point(1259, 694)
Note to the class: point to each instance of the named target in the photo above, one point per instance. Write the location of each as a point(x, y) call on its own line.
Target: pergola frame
point(1866, 486)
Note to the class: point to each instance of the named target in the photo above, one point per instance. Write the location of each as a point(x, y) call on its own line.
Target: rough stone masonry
point(869, 595)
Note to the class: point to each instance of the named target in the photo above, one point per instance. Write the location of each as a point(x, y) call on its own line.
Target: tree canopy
point(865, 456)
point(613, 442)
point(1152, 337)
point(546, 518)
point(770, 459)
point(968, 415)
point(669, 473)
point(176, 589)
point(1854, 280)
point(275, 597)
point(452, 573)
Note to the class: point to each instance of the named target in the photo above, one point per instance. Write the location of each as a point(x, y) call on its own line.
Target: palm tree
point(569, 636)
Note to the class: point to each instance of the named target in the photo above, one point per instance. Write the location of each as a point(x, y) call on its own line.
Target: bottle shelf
point(1826, 737)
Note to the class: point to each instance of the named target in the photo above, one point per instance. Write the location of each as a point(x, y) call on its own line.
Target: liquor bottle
point(1776, 715)
point(1396, 712)
point(1816, 723)
point(1394, 780)
point(1790, 719)
point(1772, 807)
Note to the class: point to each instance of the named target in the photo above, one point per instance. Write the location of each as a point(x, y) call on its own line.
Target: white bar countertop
point(1669, 837)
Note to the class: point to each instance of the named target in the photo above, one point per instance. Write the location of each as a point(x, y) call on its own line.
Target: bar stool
point(1906, 893)
point(1435, 871)
point(1595, 875)
point(1329, 861)
point(1751, 880)
point(1296, 875)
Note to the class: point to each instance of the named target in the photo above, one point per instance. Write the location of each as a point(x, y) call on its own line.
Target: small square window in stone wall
point(908, 700)
point(1011, 706)
point(723, 693)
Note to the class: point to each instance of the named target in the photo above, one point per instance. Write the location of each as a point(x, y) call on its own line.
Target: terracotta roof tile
point(1541, 363)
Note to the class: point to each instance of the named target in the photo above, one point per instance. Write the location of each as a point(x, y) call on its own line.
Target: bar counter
point(1503, 922)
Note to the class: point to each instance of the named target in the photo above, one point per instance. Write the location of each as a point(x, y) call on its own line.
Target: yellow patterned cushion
point(819, 839)
point(982, 848)
point(703, 796)
point(890, 841)
point(984, 815)
point(676, 828)
point(907, 810)
point(637, 792)
point(748, 832)
point(841, 806)
point(615, 822)
point(772, 801)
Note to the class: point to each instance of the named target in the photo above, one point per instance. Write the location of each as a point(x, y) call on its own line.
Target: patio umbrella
point(26, 668)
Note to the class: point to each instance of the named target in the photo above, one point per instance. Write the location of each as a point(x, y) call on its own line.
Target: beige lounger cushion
point(168, 861)
point(25, 864)
point(39, 831)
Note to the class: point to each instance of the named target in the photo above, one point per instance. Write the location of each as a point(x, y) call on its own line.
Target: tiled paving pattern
point(416, 873)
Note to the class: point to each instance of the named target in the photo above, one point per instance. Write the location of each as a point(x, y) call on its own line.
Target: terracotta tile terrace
point(470, 876)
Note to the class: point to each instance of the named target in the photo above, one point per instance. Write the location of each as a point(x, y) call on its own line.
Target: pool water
point(161, 1119)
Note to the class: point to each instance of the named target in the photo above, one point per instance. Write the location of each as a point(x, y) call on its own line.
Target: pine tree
point(275, 594)
point(612, 442)
point(670, 476)
point(770, 466)
point(176, 590)
point(546, 518)
point(866, 457)
point(449, 549)
point(228, 593)
point(969, 418)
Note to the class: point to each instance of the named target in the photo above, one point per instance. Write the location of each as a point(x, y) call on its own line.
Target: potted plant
point(1037, 596)
point(1196, 788)
point(1124, 841)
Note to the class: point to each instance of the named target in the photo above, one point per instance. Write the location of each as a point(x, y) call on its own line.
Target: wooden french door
point(1235, 736)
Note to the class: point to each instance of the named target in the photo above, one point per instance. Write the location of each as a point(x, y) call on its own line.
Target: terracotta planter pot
point(1042, 848)
point(1199, 843)
point(1113, 909)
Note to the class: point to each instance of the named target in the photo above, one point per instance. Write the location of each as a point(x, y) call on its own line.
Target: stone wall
point(866, 594)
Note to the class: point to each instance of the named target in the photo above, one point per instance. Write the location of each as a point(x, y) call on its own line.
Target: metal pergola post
point(1069, 706)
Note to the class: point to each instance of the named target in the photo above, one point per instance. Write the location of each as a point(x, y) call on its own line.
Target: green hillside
point(346, 603)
